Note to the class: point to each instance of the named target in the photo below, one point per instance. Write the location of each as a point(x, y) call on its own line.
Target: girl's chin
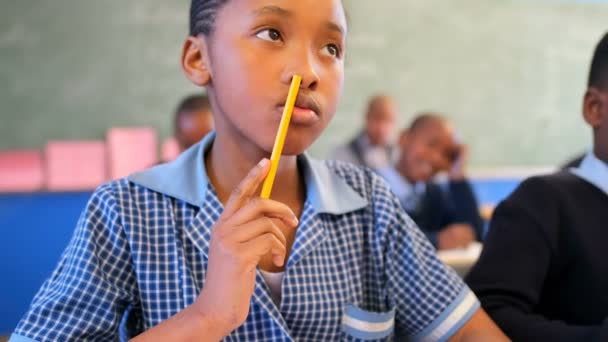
point(293, 150)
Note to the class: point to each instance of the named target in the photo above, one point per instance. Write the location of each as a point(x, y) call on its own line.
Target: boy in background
point(373, 146)
point(448, 216)
point(193, 120)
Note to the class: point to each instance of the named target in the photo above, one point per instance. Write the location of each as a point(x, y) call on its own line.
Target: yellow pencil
point(277, 150)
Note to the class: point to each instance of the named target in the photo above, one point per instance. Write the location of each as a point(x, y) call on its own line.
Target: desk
point(461, 260)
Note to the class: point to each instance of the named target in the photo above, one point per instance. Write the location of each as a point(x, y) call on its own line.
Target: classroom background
point(510, 74)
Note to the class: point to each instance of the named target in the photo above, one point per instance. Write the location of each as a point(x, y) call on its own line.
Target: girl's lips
point(306, 111)
point(302, 116)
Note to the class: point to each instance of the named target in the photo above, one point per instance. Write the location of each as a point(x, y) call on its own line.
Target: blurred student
point(543, 273)
point(373, 146)
point(448, 216)
point(193, 120)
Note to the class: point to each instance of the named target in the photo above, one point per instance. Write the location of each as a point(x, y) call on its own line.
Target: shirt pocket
point(363, 325)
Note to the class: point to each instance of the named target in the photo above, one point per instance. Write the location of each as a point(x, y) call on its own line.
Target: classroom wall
point(510, 73)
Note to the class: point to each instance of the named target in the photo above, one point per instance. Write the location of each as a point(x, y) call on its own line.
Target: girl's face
point(251, 56)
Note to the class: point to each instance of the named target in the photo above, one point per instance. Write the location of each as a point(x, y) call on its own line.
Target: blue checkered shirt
point(359, 268)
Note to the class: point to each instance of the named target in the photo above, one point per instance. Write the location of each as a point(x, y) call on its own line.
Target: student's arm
point(479, 328)
point(513, 268)
point(247, 230)
point(188, 325)
point(462, 201)
point(431, 301)
point(453, 217)
point(455, 235)
point(465, 206)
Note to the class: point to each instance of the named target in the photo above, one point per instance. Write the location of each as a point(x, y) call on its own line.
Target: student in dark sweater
point(543, 273)
point(448, 215)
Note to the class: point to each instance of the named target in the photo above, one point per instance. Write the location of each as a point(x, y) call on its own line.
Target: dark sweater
point(439, 208)
point(543, 272)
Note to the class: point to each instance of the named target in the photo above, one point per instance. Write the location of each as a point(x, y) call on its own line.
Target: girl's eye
point(333, 50)
point(270, 35)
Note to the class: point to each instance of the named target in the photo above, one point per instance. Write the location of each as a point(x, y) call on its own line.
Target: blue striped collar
point(186, 179)
point(593, 171)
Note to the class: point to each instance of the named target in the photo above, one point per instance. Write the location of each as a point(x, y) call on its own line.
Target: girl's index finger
point(247, 188)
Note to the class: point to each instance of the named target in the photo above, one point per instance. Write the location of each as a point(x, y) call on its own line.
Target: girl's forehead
point(331, 10)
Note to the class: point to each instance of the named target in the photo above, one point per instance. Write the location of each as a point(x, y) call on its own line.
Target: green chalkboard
point(509, 73)
point(73, 69)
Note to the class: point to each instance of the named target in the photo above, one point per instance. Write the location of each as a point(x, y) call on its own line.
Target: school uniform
point(435, 206)
point(359, 268)
point(360, 151)
point(543, 273)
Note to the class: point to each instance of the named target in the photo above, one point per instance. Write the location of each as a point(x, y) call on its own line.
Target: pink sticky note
point(75, 165)
point(169, 150)
point(21, 170)
point(131, 150)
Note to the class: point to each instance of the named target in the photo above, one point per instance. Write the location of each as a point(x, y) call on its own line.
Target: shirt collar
point(186, 179)
point(593, 171)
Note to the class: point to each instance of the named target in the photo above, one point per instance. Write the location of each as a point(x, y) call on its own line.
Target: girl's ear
point(195, 61)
